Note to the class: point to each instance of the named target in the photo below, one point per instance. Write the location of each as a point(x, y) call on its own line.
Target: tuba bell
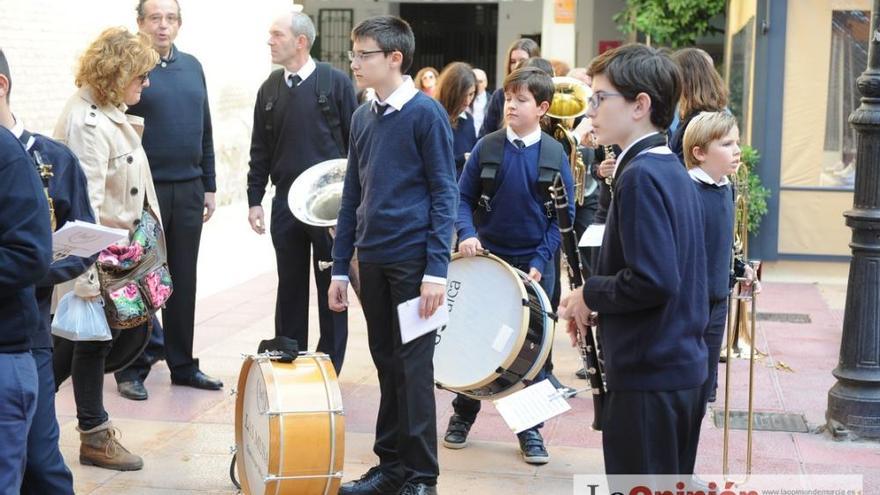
point(316, 193)
point(314, 199)
point(570, 100)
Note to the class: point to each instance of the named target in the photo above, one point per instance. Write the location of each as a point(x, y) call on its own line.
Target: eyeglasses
point(170, 18)
point(363, 55)
point(143, 78)
point(599, 96)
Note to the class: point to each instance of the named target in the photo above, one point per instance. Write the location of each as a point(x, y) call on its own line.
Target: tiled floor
point(185, 435)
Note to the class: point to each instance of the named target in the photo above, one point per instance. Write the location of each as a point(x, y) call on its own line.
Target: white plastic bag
point(77, 319)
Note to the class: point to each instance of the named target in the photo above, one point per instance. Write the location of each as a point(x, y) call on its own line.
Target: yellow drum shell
point(289, 426)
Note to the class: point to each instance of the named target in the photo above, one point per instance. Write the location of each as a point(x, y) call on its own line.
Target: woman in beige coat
point(112, 73)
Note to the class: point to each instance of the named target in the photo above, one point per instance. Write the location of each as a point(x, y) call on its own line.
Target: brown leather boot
point(100, 447)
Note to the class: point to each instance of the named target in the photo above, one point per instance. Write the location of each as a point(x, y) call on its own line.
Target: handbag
point(135, 280)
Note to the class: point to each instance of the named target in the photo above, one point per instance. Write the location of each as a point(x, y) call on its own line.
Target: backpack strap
point(323, 87)
point(491, 155)
point(549, 164)
point(273, 109)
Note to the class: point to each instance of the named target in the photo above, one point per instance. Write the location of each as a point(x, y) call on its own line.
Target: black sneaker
point(531, 444)
point(373, 482)
point(456, 433)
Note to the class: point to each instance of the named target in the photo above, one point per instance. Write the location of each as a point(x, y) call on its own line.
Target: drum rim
point(523, 329)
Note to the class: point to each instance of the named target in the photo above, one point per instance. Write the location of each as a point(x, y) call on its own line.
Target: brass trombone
point(741, 315)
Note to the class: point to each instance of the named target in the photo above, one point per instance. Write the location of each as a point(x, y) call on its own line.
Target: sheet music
point(532, 405)
point(83, 239)
point(592, 236)
point(412, 326)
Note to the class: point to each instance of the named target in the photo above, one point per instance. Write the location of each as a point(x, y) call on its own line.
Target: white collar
point(17, 129)
point(623, 153)
point(700, 175)
point(304, 72)
point(529, 139)
point(464, 115)
point(400, 96)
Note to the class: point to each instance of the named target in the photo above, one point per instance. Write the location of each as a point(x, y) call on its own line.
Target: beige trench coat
point(108, 145)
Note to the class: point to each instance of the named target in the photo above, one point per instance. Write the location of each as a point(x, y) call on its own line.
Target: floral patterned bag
point(135, 281)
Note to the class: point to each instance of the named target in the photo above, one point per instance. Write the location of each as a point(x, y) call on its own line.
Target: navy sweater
point(400, 195)
point(25, 244)
point(464, 137)
point(302, 139)
point(650, 284)
point(178, 137)
point(718, 208)
point(494, 118)
point(70, 195)
point(518, 223)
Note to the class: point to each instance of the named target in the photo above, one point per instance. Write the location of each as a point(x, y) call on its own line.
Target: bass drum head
point(252, 433)
point(486, 322)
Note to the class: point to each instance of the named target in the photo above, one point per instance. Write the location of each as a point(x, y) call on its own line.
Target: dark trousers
point(84, 364)
point(406, 427)
point(646, 432)
point(46, 471)
point(182, 208)
point(468, 408)
point(18, 402)
point(295, 243)
point(139, 369)
point(714, 336)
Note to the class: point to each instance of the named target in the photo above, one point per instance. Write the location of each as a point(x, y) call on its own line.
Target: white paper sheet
point(531, 405)
point(412, 326)
point(83, 239)
point(592, 236)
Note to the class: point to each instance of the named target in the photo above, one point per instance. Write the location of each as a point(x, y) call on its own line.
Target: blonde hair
point(703, 129)
point(112, 61)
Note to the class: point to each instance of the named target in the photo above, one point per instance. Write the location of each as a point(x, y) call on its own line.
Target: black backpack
point(274, 108)
point(491, 156)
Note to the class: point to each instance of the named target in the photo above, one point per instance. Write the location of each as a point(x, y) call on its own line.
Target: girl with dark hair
point(519, 50)
point(702, 90)
point(455, 91)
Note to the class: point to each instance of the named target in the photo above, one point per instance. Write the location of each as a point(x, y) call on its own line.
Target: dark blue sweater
point(494, 118)
point(178, 136)
point(301, 136)
point(400, 195)
point(25, 244)
point(517, 224)
point(718, 208)
point(650, 284)
point(464, 137)
point(70, 195)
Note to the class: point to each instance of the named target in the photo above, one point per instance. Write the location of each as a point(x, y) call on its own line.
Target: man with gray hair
point(179, 143)
point(481, 99)
point(301, 118)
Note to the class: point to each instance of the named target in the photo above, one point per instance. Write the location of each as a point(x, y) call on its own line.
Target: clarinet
point(577, 273)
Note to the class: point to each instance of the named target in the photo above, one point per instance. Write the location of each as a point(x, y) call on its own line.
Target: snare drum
point(289, 426)
point(500, 329)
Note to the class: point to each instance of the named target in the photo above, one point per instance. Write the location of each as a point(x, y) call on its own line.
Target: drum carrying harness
point(491, 157)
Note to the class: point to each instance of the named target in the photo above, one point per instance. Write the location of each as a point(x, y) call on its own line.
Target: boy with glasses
point(398, 206)
point(650, 286)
